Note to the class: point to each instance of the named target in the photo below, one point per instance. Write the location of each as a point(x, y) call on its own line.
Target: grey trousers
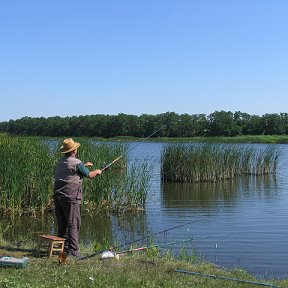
point(69, 222)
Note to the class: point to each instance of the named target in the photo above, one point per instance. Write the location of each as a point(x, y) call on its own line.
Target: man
point(68, 194)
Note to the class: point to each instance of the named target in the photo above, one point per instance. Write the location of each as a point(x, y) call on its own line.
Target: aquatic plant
point(120, 187)
point(27, 170)
point(215, 162)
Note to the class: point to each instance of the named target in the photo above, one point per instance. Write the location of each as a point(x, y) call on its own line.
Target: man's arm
point(85, 172)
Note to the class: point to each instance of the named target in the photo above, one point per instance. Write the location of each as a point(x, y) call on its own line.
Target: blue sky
point(70, 58)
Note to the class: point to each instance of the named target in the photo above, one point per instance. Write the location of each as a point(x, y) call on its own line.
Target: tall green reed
point(215, 162)
point(25, 174)
point(119, 187)
point(27, 170)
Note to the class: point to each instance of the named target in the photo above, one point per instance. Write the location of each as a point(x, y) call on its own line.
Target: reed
point(25, 174)
point(120, 187)
point(216, 162)
point(27, 170)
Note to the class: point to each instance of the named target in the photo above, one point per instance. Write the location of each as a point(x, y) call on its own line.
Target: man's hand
point(95, 173)
point(98, 171)
point(88, 164)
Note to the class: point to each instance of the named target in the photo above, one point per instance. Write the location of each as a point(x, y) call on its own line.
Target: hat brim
point(64, 151)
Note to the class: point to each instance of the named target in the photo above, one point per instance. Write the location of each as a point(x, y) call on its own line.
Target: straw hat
point(69, 145)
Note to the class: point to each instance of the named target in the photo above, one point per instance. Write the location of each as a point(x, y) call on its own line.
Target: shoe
point(80, 257)
point(76, 256)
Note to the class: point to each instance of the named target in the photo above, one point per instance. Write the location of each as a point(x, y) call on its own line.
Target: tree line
point(218, 123)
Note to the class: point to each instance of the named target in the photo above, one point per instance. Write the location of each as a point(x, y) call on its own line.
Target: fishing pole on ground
point(132, 242)
point(119, 157)
point(225, 278)
point(157, 233)
point(191, 239)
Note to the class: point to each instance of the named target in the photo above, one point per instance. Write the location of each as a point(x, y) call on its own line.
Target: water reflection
point(214, 195)
point(113, 230)
point(102, 228)
point(23, 228)
point(95, 228)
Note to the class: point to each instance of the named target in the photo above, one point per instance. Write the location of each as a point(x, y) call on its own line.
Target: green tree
point(222, 123)
point(272, 124)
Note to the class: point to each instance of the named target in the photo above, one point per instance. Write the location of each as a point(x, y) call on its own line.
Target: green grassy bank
point(136, 270)
point(261, 139)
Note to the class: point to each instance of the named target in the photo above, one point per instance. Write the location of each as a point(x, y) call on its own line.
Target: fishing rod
point(157, 233)
point(157, 245)
point(225, 278)
point(132, 242)
point(173, 242)
point(111, 254)
point(119, 157)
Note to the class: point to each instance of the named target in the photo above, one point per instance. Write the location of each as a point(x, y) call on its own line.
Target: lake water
point(236, 224)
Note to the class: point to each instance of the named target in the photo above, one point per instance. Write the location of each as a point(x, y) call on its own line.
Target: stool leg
point(39, 246)
point(62, 246)
point(50, 249)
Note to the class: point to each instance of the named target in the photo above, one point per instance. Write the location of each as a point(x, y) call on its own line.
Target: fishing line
point(157, 233)
point(191, 239)
point(125, 244)
point(131, 148)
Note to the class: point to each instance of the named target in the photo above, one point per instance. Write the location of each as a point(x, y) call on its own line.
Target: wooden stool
point(55, 244)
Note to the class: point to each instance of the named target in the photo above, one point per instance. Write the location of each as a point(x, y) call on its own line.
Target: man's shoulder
point(74, 160)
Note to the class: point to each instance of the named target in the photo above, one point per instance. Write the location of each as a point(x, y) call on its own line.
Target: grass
point(216, 162)
point(133, 270)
